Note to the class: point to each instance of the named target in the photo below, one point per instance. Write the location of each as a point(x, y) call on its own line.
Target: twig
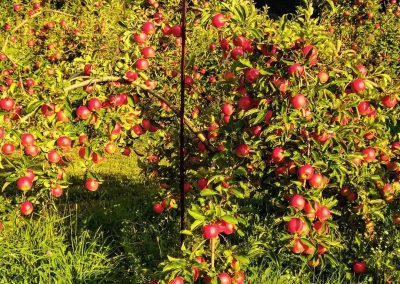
point(153, 93)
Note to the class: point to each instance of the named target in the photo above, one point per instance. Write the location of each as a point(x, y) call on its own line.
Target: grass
point(112, 236)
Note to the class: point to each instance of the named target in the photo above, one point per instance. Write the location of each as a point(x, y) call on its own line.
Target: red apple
point(305, 172)
point(295, 225)
point(202, 183)
point(158, 208)
point(149, 28)
point(369, 154)
point(245, 103)
point(224, 278)
point(323, 77)
point(218, 20)
point(56, 191)
point(94, 104)
point(64, 142)
point(140, 38)
point(317, 181)
point(7, 148)
point(83, 112)
point(358, 86)
point(148, 52)
point(297, 201)
point(210, 231)
point(24, 183)
point(296, 69)
point(27, 139)
point(177, 280)
point(91, 184)
point(299, 101)
point(242, 150)
point(323, 213)
point(389, 101)
point(227, 109)
point(142, 64)
point(359, 267)
point(26, 208)
point(297, 246)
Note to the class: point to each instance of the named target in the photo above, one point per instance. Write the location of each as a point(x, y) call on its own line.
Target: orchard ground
point(112, 236)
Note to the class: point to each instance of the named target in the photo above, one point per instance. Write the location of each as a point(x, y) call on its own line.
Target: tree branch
point(153, 93)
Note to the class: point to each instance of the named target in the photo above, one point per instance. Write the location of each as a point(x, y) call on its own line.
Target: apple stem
point(213, 253)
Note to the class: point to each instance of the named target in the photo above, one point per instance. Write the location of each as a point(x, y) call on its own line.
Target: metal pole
point(181, 118)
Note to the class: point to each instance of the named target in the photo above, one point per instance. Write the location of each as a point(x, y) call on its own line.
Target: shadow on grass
point(122, 211)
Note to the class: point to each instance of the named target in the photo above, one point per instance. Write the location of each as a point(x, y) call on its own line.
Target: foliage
point(294, 121)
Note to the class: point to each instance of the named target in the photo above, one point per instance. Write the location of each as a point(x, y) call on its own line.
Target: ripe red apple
point(32, 150)
point(56, 191)
point(369, 154)
point(323, 213)
point(140, 38)
point(321, 227)
point(359, 267)
point(149, 28)
point(210, 231)
point(24, 183)
point(94, 104)
point(17, 7)
point(87, 69)
point(278, 155)
point(218, 20)
point(158, 208)
point(299, 101)
point(61, 117)
point(83, 112)
point(312, 53)
point(27, 139)
point(148, 52)
point(251, 75)
point(295, 225)
point(64, 142)
point(228, 228)
point(142, 64)
point(239, 278)
point(364, 108)
point(242, 150)
point(227, 109)
point(245, 103)
point(362, 69)
point(202, 183)
point(53, 156)
point(305, 172)
point(389, 101)
point(358, 86)
point(317, 181)
point(111, 148)
point(323, 77)
point(91, 184)
point(296, 69)
point(47, 109)
point(224, 278)
point(26, 208)
point(297, 201)
point(176, 31)
point(7, 104)
point(7, 148)
point(297, 246)
point(177, 280)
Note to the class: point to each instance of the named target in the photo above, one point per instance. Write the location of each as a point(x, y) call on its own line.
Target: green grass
point(112, 236)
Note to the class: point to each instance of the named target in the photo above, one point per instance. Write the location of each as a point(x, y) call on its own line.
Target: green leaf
point(208, 192)
point(196, 215)
point(230, 219)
